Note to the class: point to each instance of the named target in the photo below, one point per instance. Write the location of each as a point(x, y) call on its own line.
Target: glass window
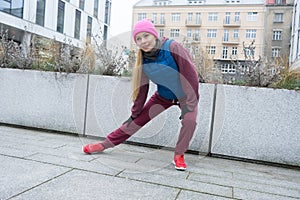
point(212, 16)
point(251, 33)
point(197, 35)
point(275, 52)
point(175, 17)
point(77, 24)
point(162, 18)
point(190, 17)
point(141, 16)
point(237, 16)
point(225, 52)
point(96, 7)
point(212, 33)
point(81, 4)
point(228, 69)
point(226, 35)
point(13, 7)
point(211, 49)
point(107, 12)
point(189, 33)
point(198, 15)
point(161, 32)
point(89, 29)
point(278, 17)
point(236, 33)
point(60, 17)
point(234, 51)
point(40, 12)
point(154, 18)
point(174, 33)
point(252, 16)
point(277, 35)
point(227, 18)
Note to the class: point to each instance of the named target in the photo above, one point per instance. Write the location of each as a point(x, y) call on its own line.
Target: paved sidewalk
point(41, 165)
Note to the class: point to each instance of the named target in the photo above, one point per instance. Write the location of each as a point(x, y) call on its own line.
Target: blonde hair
point(137, 73)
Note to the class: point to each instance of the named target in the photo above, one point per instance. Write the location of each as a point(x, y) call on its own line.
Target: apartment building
point(74, 21)
point(279, 15)
point(295, 38)
point(224, 29)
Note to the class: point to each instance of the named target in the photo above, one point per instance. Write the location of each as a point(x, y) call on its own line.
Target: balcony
point(193, 23)
point(231, 23)
point(230, 40)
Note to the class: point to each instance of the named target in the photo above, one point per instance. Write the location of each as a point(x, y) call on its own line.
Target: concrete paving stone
point(87, 185)
point(184, 195)
point(157, 164)
point(254, 195)
point(20, 153)
point(207, 188)
point(18, 175)
point(121, 155)
point(151, 153)
point(118, 164)
point(248, 185)
point(49, 151)
point(275, 180)
point(74, 163)
point(250, 169)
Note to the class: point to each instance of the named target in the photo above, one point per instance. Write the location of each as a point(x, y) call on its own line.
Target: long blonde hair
point(137, 73)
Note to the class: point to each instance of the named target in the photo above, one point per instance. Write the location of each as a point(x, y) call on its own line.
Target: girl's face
point(145, 41)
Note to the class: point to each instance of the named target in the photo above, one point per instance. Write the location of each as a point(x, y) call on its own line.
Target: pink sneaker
point(93, 148)
point(179, 162)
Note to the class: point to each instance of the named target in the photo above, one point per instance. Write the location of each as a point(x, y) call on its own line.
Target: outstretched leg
point(152, 108)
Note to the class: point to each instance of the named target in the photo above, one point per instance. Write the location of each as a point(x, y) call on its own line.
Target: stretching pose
point(167, 64)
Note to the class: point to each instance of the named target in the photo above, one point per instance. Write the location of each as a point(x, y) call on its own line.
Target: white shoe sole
point(178, 168)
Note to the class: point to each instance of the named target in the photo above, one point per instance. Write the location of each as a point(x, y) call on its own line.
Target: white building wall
point(50, 25)
point(295, 38)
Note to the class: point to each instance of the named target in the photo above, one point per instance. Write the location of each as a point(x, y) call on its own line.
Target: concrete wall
point(257, 123)
point(254, 123)
point(42, 99)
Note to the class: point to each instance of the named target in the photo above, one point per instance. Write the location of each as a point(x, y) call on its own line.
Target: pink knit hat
point(144, 25)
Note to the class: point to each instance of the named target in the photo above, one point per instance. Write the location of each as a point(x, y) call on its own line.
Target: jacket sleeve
point(139, 102)
point(188, 75)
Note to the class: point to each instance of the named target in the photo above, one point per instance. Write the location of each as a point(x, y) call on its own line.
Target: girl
point(166, 63)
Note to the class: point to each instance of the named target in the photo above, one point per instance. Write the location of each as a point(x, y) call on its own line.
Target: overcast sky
point(121, 16)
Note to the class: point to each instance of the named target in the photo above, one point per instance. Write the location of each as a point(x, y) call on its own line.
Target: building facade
point(224, 30)
point(63, 20)
point(295, 38)
point(278, 29)
point(227, 31)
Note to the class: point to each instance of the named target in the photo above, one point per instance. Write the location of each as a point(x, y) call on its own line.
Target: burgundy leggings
point(152, 108)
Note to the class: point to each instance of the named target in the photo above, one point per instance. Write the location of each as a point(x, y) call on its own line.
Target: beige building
point(224, 29)
point(279, 15)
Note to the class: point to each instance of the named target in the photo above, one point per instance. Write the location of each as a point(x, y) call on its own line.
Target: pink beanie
point(144, 25)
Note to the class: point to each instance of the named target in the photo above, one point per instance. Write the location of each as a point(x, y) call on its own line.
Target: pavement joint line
point(178, 193)
point(117, 175)
point(55, 177)
point(64, 145)
point(188, 175)
point(138, 160)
